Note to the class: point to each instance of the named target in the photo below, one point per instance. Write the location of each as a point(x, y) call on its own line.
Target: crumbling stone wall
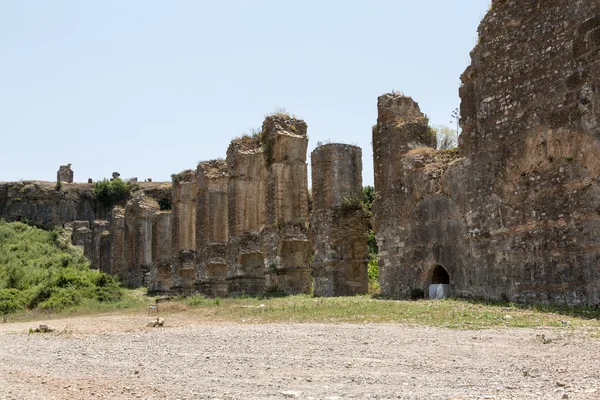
point(65, 174)
point(246, 214)
point(285, 243)
point(339, 224)
point(42, 205)
point(514, 212)
point(212, 227)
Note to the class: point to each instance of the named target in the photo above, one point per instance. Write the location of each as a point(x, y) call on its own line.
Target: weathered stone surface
point(338, 223)
point(64, 174)
point(285, 243)
point(161, 274)
point(246, 215)
point(185, 190)
point(139, 214)
point(512, 214)
point(117, 233)
point(42, 205)
point(212, 227)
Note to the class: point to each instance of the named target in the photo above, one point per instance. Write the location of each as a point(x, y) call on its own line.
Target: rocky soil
point(118, 357)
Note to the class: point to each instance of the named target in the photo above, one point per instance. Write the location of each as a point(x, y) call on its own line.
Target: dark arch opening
point(440, 276)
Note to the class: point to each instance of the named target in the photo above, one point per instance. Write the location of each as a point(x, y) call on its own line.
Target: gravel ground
point(117, 357)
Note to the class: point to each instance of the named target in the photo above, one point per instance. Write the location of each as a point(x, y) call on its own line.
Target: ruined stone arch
point(439, 275)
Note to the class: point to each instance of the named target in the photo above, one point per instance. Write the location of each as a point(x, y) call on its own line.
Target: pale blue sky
point(149, 88)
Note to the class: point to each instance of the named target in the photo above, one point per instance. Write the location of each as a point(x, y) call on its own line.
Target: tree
point(447, 138)
point(110, 193)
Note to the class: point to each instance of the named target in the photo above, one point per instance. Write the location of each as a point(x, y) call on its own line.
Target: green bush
point(41, 269)
point(10, 301)
point(111, 193)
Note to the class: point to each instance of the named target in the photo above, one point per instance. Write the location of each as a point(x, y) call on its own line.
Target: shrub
point(417, 293)
point(10, 301)
point(41, 269)
point(273, 292)
point(373, 272)
point(165, 204)
point(111, 193)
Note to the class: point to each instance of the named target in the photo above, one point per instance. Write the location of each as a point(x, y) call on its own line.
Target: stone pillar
point(99, 229)
point(117, 233)
point(106, 252)
point(401, 127)
point(139, 213)
point(339, 224)
point(81, 235)
point(185, 190)
point(285, 241)
point(212, 227)
point(246, 215)
point(161, 275)
point(65, 174)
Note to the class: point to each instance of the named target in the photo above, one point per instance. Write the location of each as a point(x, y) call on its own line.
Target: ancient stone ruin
point(230, 227)
point(64, 174)
point(338, 223)
point(512, 213)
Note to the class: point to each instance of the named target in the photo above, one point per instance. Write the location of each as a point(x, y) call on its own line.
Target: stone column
point(339, 224)
point(185, 190)
point(212, 227)
point(161, 275)
point(117, 233)
point(97, 258)
point(82, 236)
point(246, 215)
point(285, 241)
point(139, 213)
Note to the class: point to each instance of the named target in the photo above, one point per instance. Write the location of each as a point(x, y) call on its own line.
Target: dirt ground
point(118, 357)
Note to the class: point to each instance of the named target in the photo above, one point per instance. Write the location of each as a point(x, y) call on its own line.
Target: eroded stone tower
point(212, 227)
point(246, 214)
point(185, 190)
point(285, 243)
point(339, 224)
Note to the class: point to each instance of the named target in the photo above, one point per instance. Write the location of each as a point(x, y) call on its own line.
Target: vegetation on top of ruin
point(250, 141)
point(213, 168)
point(184, 176)
point(41, 269)
point(410, 119)
point(112, 192)
point(281, 112)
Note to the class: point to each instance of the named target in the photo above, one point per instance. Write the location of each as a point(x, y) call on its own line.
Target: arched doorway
point(439, 286)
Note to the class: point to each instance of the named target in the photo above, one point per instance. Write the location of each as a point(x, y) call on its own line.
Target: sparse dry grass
point(455, 314)
point(450, 313)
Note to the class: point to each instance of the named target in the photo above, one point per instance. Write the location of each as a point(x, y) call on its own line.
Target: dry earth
point(117, 357)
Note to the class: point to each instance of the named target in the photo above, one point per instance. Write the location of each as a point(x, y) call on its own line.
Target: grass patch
point(450, 313)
